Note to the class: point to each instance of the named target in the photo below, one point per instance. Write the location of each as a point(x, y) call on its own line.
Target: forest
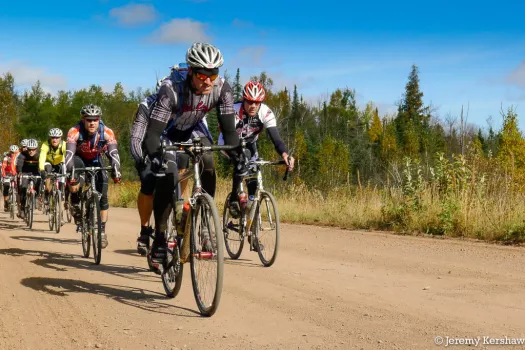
point(412, 170)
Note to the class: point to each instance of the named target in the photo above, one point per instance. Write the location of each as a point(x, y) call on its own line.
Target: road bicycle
point(258, 219)
point(54, 205)
point(30, 203)
point(90, 220)
point(201, 242)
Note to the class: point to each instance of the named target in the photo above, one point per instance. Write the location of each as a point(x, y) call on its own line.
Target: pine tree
point(237, 86)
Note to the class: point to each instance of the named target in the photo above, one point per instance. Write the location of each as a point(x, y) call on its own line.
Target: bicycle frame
point(195, 150)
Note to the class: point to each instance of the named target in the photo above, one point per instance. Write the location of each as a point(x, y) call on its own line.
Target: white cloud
point(27, 75)
point(517, 76)
point(134, 14)
point(180, 30)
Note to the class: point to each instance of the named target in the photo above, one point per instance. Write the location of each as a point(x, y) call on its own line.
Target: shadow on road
point(242, 262)
point(127, 252)
point(66, 262)
point(47, 239)
point(140, 298)
point(11, 225)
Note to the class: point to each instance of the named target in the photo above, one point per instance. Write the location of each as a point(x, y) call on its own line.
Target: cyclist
point(27, 164)
point(86, 142)
point(22, 149)
point(51, 160)
point(177, 111)
point(251, 117)
point(8, 168)
point(142, 163)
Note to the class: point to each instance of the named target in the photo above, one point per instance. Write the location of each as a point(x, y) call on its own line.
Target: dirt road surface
point(329, 289)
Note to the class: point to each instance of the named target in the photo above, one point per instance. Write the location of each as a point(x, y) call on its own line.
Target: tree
point(237, 86)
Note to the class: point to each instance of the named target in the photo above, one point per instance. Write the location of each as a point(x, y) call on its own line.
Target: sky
point(469, 53)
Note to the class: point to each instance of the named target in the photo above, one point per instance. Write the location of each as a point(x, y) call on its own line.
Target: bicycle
point(29, 207)
point(54, 205)
point(91, 222)
point(67, 205)
point(11, 201)
point(250, 223)
point(199, 244)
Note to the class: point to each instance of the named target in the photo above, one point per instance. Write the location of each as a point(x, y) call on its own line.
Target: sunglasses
point(55, 137)
point(203, 77)
point(252, 102)
point(92, 119)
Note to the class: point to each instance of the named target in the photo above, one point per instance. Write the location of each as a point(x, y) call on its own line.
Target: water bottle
point(243, 198)
point(182, 225)
point(251, 198)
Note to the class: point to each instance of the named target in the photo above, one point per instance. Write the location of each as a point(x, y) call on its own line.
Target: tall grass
point(454, 199)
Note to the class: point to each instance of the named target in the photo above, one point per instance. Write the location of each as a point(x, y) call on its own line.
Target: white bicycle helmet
point(201, 55)
point(23, 143)
point(91, 110)
point(32, 144)
point(13, 148)
point(55, 132)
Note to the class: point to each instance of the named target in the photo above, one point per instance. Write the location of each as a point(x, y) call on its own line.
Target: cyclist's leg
point(74, 188)
point(22, 188)
point(6, 195)
point(238, 175)
point(208, 175)
point(145, 203)
point(101, 185)
point(48, 169)
point(162, 205)
point(252, 183)
point(183, 163)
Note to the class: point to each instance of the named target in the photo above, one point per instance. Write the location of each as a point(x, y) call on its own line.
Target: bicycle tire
point(12, 204)
point(212, 215)
point(86, 239)
point(173, 271)
point(269, 260)
point(31, 209)
point(96, 229)
point(50, 212)
point(228, 226)
point(58, 211)
point(69, 217)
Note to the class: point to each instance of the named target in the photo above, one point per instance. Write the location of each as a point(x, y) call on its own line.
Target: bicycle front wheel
point(232, 230)
point(96, 229)
point(86, 239)
point(58, 211)
point(30, 209)
point(50, 212)
point(206, 255)
point(267, 229)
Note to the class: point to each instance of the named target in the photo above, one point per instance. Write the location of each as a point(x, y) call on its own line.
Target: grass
point(490, 214)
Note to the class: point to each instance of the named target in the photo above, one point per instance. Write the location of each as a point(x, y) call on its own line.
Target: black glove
point(157, 167)
point(43, 174)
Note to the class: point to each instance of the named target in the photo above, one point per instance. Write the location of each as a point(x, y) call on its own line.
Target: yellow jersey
point(50, 155)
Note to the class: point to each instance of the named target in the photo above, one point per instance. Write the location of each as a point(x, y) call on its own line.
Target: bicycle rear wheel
point(96, 228)
point(51, 212)
point(86, 239)
point(173, 270)
point(58, 211)
point(232, 230)
point(206, 255)
point(267, 228)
